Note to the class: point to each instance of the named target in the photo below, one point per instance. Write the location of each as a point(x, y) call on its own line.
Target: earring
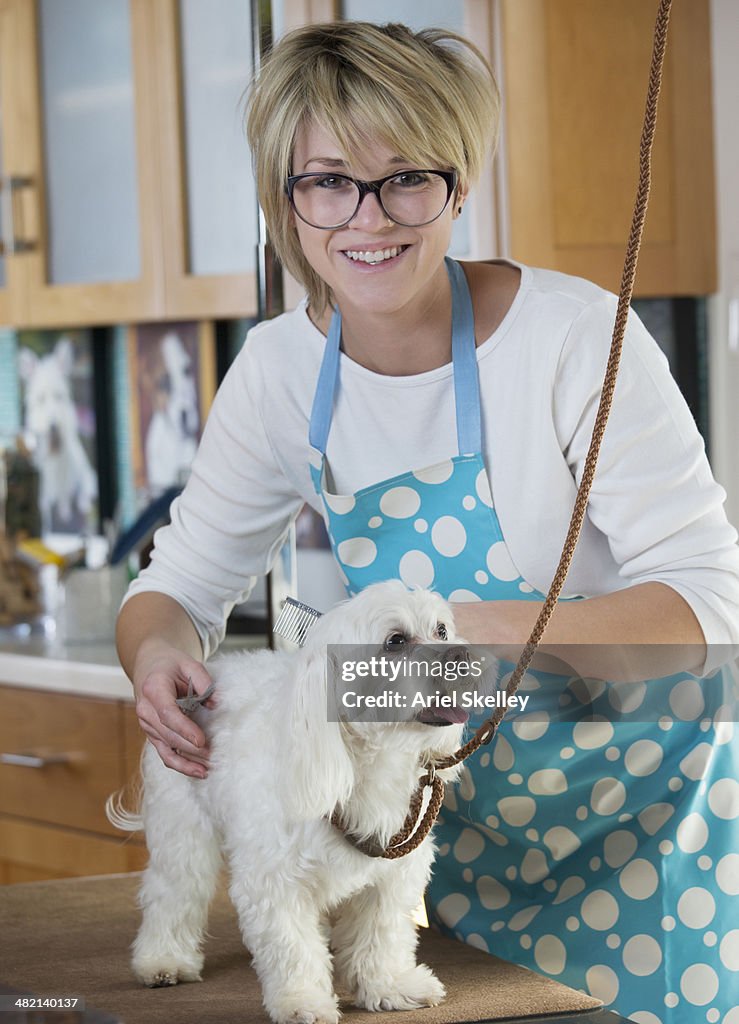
point(459, 210)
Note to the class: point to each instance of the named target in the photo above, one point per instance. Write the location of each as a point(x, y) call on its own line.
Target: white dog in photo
point(315, 912)
point(171, 439)
point(68, 483)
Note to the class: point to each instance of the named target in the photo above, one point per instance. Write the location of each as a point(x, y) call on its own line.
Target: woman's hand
point(161, 652)
point(642, 632)
point(161, 674)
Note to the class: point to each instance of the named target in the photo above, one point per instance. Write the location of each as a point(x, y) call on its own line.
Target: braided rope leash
point(410, 836)
point(405, 839)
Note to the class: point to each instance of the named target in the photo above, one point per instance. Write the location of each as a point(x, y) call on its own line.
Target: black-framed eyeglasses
point(409, 198)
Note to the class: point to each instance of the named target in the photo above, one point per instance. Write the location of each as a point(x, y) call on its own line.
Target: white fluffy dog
point(309, 903)
point(68, 484)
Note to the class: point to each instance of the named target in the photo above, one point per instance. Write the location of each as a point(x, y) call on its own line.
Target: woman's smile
point(374, 259)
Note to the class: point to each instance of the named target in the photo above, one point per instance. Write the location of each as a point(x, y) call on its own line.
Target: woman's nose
point(370, 213)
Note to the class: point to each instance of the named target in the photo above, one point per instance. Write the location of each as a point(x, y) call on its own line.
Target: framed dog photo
point(172, 381)
point(57, 388)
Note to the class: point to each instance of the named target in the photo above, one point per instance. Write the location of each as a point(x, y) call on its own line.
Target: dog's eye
point(395, 640)
point(441, 632)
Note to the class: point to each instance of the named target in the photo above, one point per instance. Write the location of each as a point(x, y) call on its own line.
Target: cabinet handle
point(10, 186)
point(35, 760)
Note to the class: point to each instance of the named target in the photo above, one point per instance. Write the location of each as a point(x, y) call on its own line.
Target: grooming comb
point(295, 620)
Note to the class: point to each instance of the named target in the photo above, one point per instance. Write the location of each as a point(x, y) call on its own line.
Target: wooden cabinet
point(126, 181)
point(574, 81)
point(126, 191)
point(61, 756)
point(82, 245)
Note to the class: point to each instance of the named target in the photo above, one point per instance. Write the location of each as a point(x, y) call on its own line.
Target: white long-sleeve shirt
point(655, 511)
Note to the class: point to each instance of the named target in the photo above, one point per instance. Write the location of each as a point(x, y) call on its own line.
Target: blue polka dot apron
point(597, 839)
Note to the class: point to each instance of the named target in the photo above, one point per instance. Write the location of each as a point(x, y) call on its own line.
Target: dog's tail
point(119, 817)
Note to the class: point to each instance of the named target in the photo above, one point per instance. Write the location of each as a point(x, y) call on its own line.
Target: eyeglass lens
point(412, 199)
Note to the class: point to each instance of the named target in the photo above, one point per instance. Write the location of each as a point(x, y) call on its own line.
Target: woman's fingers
point(179, 729)
point(174, 759)
point(196, 676)
point(180, 742)
point(170, 730)
point(175, 756)
point(176, 741)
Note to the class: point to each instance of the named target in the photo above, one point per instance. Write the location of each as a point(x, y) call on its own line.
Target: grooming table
point(72, 938)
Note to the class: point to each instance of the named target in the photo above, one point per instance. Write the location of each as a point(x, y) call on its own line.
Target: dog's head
point(182, 398)
point(425, 720)
point(384, 610)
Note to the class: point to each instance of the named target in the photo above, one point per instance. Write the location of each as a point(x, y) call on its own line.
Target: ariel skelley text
point(466, 699)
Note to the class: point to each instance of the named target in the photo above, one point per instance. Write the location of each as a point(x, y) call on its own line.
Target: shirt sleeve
point(233, 515)
point(653, 496)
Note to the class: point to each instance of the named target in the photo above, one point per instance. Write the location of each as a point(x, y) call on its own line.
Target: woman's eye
point(411, 179)
point(330, 181)
point(441, 632)
point(395, 640)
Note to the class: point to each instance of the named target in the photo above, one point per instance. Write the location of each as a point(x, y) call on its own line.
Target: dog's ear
point(320, 771)
point(27, 363)
point(64, 354)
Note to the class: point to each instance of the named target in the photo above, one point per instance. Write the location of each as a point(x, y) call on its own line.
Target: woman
point(438, 416)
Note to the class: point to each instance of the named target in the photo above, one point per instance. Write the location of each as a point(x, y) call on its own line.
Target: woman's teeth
point(376, 256)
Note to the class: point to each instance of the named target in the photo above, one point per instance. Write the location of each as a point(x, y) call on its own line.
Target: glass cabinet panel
point(216, 48)
point(430, 14)
point(89, 141)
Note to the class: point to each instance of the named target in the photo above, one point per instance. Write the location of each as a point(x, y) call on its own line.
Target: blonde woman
point(438, 416)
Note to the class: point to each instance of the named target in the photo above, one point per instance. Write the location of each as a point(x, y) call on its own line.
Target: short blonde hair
point(430, 96)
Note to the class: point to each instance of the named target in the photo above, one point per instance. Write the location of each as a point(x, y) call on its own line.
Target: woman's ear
point(459, 200)
point(319, 769)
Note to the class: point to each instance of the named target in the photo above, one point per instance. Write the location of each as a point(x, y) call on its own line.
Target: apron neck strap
point(326, 387)
point(464, 359)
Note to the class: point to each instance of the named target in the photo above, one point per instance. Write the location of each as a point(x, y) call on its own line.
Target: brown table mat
point(73, 936)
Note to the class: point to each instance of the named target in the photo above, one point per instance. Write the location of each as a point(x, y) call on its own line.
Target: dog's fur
point(68, 483)
point(308, 902)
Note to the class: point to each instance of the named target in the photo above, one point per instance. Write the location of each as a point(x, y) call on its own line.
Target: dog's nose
point(457, 655)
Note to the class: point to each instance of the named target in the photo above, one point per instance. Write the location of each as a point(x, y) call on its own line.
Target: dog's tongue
point(452, 715)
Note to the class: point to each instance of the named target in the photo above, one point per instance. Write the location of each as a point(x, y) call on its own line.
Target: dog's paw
point(162, 971)
point(305, 1008)
point(309, 1017)
point(408, 991)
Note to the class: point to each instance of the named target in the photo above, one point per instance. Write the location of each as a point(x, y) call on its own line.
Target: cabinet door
point(62, 757)
point(84, 135)
point(574, 89)
point(32, 852)
point(11, 232)
point(208, 198)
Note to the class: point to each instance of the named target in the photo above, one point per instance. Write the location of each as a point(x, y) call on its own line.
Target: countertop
point(39, 659)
